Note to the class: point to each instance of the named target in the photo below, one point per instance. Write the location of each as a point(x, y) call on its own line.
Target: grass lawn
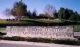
point(12, 22)
point(77, 28)
point(1, 29)
point(3, 21)
point(48, 20)
point(26, 21)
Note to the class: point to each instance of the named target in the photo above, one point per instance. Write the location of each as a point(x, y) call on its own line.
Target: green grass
point(27, 21)
point(46, 20)
point(77, 28)
point(12, 22)
point(2, 29)
point(3, 21)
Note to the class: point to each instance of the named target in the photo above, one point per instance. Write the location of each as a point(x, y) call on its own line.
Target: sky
point(39, 5)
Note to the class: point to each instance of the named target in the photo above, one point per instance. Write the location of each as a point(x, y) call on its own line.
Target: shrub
point(45, 40)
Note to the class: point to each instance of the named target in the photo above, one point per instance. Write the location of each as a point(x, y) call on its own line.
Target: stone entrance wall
point(41, 31)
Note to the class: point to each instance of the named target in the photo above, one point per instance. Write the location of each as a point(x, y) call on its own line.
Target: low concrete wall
point(41, 31)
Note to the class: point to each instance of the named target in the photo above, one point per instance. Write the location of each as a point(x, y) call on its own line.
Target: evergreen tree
point(29, 14)
point(34, 14)
point(61, 13)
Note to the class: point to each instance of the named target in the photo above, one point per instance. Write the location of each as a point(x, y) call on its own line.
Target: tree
point(61, 13)
point(55, 15)
point(74, 16)
point(8, 12)
point(29, 14)
point(19, 9)
point(71, 13)
point(49, 11)
point(41, 16)
point(65, 13)
point(77, 16)
point(34, 14)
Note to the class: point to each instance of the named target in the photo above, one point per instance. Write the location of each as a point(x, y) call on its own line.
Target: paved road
point(30, 44)
point(18, 45)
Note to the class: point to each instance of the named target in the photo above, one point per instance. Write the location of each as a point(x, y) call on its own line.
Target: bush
point(45, 40)
point(39, 40)
point(15, 38)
